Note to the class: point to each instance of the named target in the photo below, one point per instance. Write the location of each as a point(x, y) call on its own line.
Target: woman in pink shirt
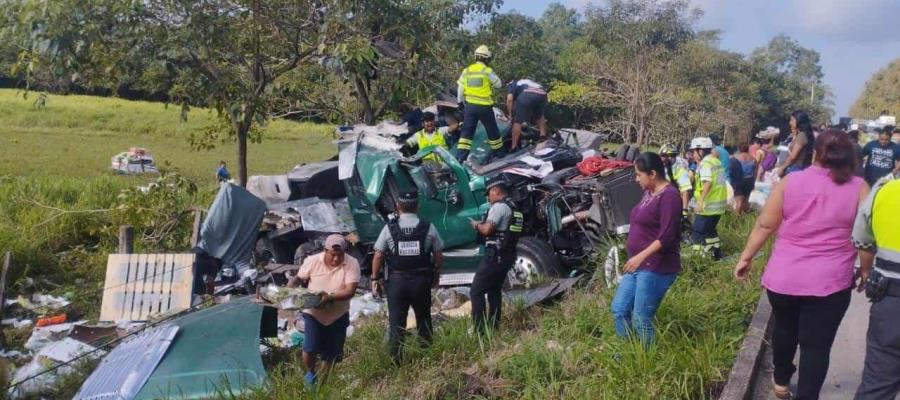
point(809, 275)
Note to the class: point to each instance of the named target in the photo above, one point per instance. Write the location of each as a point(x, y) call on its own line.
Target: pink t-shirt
point(323, 278)
point(813, 254)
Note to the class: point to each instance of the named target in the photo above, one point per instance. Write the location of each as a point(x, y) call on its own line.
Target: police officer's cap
point(428, 116)
point(409, 197)
point(498, 183)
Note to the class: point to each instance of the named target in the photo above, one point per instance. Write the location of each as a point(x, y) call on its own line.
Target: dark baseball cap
point(409, 197)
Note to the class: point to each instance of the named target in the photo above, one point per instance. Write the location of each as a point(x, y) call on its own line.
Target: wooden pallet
point(139, 286)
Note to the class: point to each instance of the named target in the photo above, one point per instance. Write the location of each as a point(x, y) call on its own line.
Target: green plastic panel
point(216, 351)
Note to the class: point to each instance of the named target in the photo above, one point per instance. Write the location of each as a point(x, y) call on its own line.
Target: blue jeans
point(636, 301)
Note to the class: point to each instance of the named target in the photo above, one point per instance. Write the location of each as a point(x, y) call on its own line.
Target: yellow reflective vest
point(682, 177)
point(476, 83)
point(886, 220)
point(422, 140)
point(716, 202)
point(436, 138)
point(877, 226)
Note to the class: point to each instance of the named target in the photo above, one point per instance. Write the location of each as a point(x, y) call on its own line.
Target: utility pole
point(812, 92)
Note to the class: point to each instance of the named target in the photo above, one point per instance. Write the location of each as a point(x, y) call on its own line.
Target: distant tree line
point(881, 95)
point(640, 69)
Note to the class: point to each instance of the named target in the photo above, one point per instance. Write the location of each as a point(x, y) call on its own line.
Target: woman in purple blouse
point(653, 249)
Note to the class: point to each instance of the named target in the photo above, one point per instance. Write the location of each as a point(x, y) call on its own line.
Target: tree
point(518, 48)
point(792, 79)
point(716, 91)
point(399, 51)
point(632, 46)
point(559, 27)
point(881, 94)
point(227, 54)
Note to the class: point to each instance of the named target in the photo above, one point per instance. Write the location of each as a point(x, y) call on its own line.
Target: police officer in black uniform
point(412, 249)
point(500, 228)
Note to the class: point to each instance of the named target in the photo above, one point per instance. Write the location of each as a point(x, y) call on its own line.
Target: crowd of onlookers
point(832, 207)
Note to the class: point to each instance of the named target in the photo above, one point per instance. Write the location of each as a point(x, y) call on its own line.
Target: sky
point(855, 38)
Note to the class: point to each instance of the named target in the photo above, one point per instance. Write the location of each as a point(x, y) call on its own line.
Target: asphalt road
point(847, 357)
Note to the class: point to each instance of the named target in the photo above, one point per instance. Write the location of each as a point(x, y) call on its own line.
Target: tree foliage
point(660, 79)
point(398, 51)
point(225, 54)
point(881, 96)
point(640, 69)
point(518, 48)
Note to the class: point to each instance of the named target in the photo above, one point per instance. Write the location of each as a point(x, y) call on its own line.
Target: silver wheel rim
point(523, 273)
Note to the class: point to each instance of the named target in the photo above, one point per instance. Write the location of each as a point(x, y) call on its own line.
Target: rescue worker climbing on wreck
point(430, 135)
point(475, 89)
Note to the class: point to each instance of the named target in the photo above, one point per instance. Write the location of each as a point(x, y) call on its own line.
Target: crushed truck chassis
point(567, 215)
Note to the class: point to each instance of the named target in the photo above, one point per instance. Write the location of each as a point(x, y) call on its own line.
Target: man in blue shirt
point(882, 156)
point(721, 152)
point(222, 173)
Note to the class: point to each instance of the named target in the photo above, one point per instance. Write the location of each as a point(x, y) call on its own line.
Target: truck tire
point(622, 152)
point(633, 153)
point(534, 258)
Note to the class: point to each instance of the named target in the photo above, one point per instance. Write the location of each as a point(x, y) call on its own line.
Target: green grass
point(567, 350)
point(76, 136)
point(57, 158)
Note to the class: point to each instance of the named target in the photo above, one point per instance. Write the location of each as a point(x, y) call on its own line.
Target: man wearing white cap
point(335, 276)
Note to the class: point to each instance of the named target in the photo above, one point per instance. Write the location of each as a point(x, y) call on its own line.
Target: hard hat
point(667, 149)
point(701, 143)
point(483, 51)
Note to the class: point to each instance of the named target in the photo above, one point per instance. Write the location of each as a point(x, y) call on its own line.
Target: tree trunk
point(241, 131)
point(362, 94)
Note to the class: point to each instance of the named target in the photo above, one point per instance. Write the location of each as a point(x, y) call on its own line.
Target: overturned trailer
point(567, 212)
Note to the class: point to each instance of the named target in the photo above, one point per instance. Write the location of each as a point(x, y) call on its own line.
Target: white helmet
point(701, 143)
point(483, 52)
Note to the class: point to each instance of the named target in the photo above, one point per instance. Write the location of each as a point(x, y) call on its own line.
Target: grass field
point(60, 210)
point(77, 135)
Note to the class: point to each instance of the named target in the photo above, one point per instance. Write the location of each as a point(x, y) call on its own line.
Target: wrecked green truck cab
point(566, 215)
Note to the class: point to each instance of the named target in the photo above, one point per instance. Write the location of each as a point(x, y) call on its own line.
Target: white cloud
point(862, 20)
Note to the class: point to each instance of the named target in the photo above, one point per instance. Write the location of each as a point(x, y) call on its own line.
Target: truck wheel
point(534, 259)
point(622, 152)
point(633, 153)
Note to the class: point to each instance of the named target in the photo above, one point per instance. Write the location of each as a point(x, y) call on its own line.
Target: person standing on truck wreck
point(500, 228)
point(475, 88)
point(413, 250)
point(335, 276)
point(525, 102)
point(653, 249)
